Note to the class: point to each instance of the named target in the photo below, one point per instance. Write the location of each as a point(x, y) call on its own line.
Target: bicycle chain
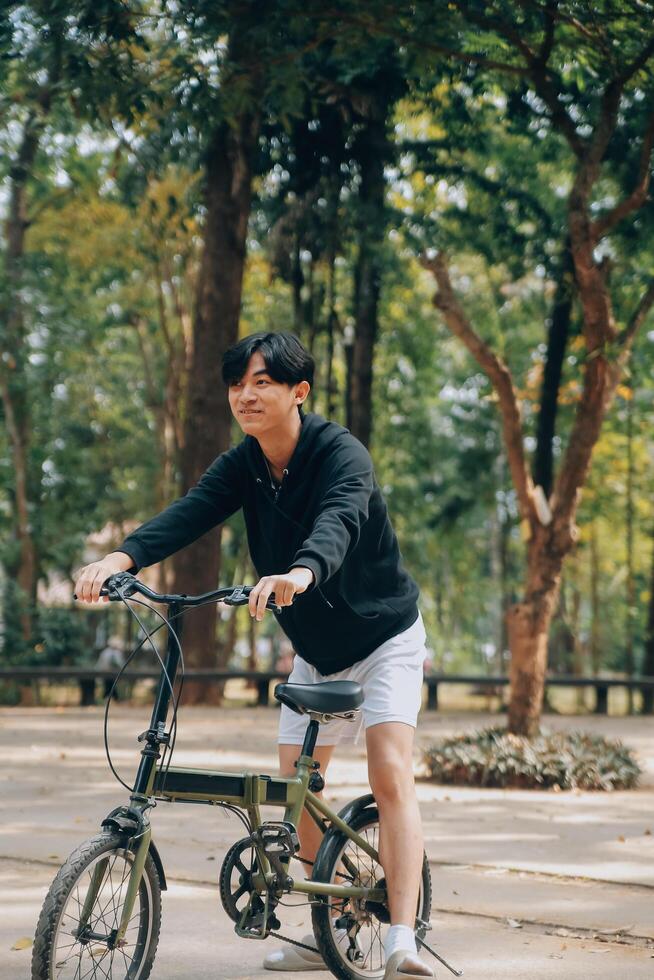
point(294, 942)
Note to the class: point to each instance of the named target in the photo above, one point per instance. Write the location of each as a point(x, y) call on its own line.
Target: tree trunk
point(648, 661)
point(215, 328)
point(630, 584)
point(13, 380)
point(367, 277)
point(594, 602)
point(528, 624)
point(332, 318)
point(497, 545)
point(557, 339)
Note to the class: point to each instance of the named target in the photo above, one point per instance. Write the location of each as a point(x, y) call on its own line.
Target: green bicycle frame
point(247, 790)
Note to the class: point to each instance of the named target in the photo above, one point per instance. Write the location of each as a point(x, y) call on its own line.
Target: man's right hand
point(91, 578)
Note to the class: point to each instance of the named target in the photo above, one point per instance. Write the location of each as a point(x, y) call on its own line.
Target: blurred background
point(174, 175)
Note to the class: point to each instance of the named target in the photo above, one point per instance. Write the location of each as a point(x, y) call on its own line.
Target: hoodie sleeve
point(344, 503)
point(215, 497)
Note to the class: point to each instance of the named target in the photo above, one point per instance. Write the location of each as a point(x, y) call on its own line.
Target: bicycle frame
point(246, 790)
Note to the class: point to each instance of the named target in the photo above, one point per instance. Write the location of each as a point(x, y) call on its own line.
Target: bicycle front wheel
point(358, 955)
point(66, 950)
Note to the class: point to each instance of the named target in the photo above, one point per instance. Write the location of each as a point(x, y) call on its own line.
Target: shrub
point(569, 760)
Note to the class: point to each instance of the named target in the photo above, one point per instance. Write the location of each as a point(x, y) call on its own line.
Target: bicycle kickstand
point(456, 973)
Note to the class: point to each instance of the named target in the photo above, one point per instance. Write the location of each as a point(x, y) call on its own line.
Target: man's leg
point(390, 772)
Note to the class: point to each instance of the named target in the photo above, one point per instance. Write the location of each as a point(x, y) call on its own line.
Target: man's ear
point(302, 392)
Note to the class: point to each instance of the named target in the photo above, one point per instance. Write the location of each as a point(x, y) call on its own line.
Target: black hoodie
point(328, 515)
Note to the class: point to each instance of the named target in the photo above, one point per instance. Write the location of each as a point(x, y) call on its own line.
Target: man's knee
point(391, 780)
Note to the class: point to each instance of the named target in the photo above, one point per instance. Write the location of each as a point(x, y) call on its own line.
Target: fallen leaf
point(23, 943)
point(648, 833)
point(621, 839)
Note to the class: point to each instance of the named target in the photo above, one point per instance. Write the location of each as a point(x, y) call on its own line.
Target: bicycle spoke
point(74, 959)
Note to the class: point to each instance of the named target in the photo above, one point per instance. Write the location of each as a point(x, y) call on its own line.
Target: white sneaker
point(293, 959)
point(403, 964)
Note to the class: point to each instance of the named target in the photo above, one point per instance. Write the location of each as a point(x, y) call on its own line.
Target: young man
point(318, 527)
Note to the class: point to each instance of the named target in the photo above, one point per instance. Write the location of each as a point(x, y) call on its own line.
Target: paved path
point(525, 884)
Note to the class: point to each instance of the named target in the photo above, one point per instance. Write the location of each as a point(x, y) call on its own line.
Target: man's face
point(260, 404)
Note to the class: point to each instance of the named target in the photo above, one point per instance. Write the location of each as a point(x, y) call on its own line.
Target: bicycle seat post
point(310, 738)
point(306, 767)
point(156, 734)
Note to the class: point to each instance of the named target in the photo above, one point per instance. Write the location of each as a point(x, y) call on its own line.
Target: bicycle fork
point(133, 882)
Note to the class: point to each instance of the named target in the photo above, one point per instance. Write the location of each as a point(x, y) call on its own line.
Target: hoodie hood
point(317, 436)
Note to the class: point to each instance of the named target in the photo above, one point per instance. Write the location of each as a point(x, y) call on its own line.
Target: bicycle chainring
point(238, 868)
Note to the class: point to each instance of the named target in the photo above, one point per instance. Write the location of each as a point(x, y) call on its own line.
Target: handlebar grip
point(103, 592)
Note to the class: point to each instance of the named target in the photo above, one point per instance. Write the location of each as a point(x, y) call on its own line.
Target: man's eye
point(262, 381)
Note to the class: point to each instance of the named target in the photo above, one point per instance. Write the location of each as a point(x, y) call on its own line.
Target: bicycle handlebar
point(124, 584)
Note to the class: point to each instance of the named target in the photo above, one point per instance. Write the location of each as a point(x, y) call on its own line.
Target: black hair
point(286, 360)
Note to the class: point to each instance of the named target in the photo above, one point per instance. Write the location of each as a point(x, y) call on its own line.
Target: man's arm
point(348, 484)
point(343, 512)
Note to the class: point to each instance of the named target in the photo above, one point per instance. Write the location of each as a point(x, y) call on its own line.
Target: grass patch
point(568, 760)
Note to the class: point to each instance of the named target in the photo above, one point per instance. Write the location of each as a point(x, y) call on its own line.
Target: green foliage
point(126, 102)
point(567, 760)
point(65, 638)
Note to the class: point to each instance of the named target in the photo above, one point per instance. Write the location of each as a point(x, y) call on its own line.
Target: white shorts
point(391, 678)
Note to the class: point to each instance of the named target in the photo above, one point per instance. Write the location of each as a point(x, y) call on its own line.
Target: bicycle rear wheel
point(342, 861)
point(64, 952)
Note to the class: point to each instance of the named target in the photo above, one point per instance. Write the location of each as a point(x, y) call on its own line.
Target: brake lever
point(241, 596)
point(122, 585)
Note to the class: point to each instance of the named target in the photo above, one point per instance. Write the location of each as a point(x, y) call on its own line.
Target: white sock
point(399, 937)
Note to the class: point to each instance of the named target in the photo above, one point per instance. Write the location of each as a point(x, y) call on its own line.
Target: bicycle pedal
point(278, 838)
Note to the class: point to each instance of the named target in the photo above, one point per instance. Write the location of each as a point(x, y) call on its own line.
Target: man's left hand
point(285, 587)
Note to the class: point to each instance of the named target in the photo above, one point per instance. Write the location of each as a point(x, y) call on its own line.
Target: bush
point(569, 760)
point(64, 637)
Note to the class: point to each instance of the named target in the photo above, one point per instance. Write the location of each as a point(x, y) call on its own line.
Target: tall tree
point(47, 69)
point(229, 163)
point(591, 120)
point(259, 75)
point(373, 153)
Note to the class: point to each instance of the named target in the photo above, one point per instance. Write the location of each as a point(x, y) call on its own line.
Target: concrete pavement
point(526, 884)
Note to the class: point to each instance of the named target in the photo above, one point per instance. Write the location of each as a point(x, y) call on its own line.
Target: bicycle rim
point(73, 958)
point(349, 864)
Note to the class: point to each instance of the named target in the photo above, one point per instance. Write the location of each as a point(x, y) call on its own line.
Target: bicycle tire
point(90, 958)
point(328, 859)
